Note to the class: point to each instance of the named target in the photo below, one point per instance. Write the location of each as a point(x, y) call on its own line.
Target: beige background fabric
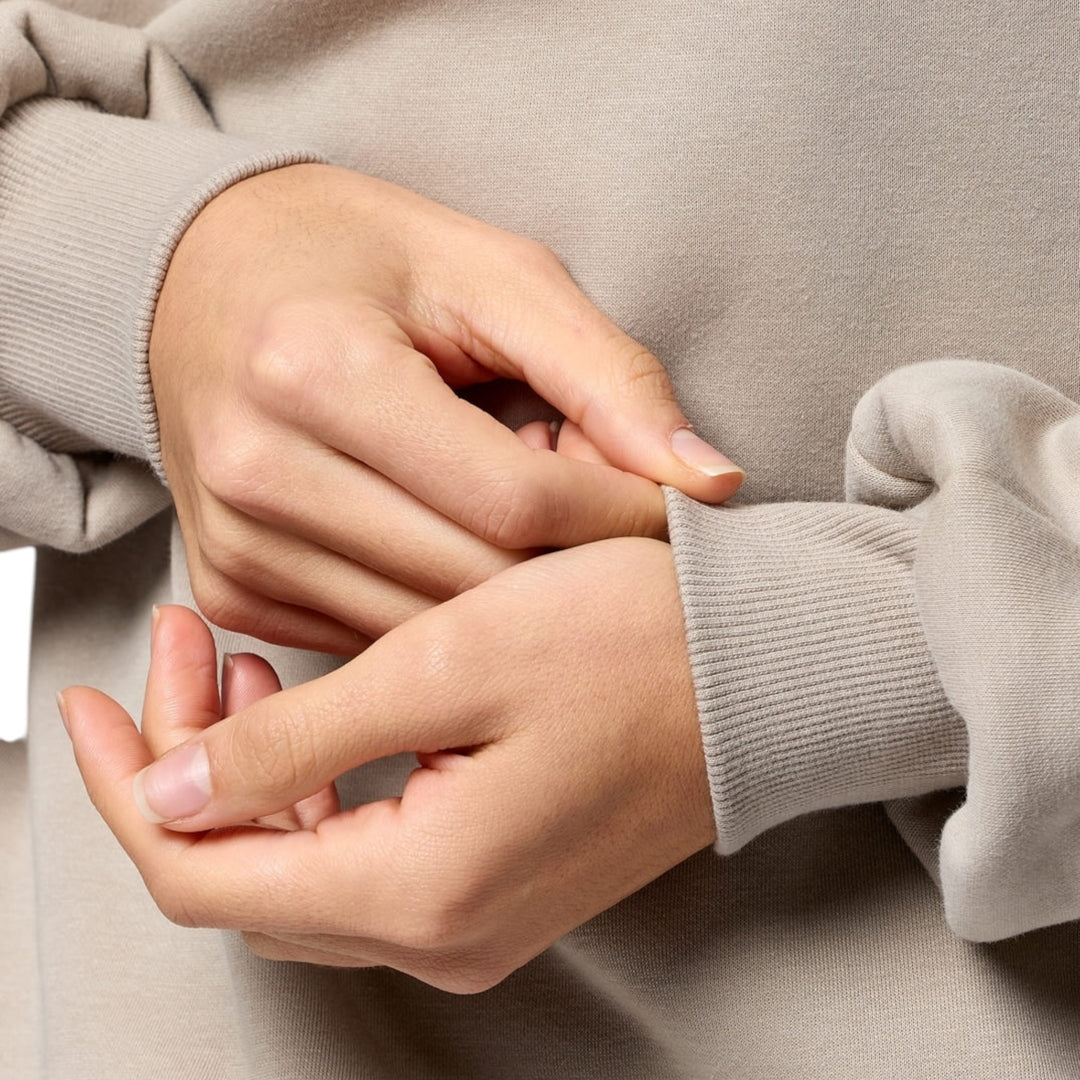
point(786, 201)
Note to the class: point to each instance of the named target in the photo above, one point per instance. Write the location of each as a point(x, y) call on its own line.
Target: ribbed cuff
point(91, 208)
point(814, 683)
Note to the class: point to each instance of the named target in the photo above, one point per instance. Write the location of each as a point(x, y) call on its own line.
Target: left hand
point(560, 769)
point(307, 343)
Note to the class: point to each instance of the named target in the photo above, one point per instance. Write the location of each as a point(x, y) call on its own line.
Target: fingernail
point(61, 704)
point(226, 676)
point(698, 454)
point(177, 786)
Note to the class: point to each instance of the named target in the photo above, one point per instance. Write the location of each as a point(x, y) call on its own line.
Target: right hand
point(552, 714)
point(329, 483)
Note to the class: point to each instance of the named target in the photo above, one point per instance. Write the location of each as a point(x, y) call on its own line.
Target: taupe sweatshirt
point(796, 206)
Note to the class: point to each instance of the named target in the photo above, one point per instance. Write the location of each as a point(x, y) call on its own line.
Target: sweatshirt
point(851, 235)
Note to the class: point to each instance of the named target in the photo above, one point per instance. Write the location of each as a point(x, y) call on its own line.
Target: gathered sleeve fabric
point(107, 153)
point(921, 637)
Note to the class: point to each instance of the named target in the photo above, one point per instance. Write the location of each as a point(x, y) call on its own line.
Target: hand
point(329, 483)
point(182, 699)
point(552, 713)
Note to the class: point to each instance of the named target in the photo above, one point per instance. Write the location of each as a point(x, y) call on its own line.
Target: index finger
point(442, 449)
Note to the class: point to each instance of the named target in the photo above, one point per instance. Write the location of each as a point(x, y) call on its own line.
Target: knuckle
point(221, 605)
point(264, 946)
point(469, 971)
point(511, 512)
point(281, 373)
point(633, 373)
point(236, 552)
point(263, 619)
point(472, 978)
point(224, 583)
point(282, 360)
point(436, 922)
point(639, 370)
point(433, 932)
point(273, 758)
point(452, 923)
point(536, 257)
point(219, 547)
point(237, 468)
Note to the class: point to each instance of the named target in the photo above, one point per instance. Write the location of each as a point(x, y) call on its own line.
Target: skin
point(584, 778)
point(307, 342)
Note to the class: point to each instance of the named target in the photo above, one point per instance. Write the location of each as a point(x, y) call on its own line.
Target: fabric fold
point(919, 638)
point(106, 155)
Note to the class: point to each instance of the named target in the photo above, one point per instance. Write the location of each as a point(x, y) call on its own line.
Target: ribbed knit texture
point(784, 200)
point(848, 653)
point(815, 685)
point(92, 205)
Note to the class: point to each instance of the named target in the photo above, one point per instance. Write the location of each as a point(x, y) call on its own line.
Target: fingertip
point(691, 449)
point(245, 679)
point(175, 622)
point(653, 439)
point(538, 435)
point(317, 807)
point(61, 705)
point(181, 647)
point(729, 484)
point(82, 705)
point(228, 666)
point(713, 489)
point(105, 740)
point(574, 443)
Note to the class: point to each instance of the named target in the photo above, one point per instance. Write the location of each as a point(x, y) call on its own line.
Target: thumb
point(626, 408)
point(246, 679)
point(283, 749)
point(614, 388)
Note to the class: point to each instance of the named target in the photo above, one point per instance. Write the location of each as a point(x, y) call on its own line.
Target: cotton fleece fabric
point(851, 233)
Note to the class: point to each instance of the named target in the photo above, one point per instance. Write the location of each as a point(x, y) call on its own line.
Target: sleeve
point(921, 637)
point(106, 155)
